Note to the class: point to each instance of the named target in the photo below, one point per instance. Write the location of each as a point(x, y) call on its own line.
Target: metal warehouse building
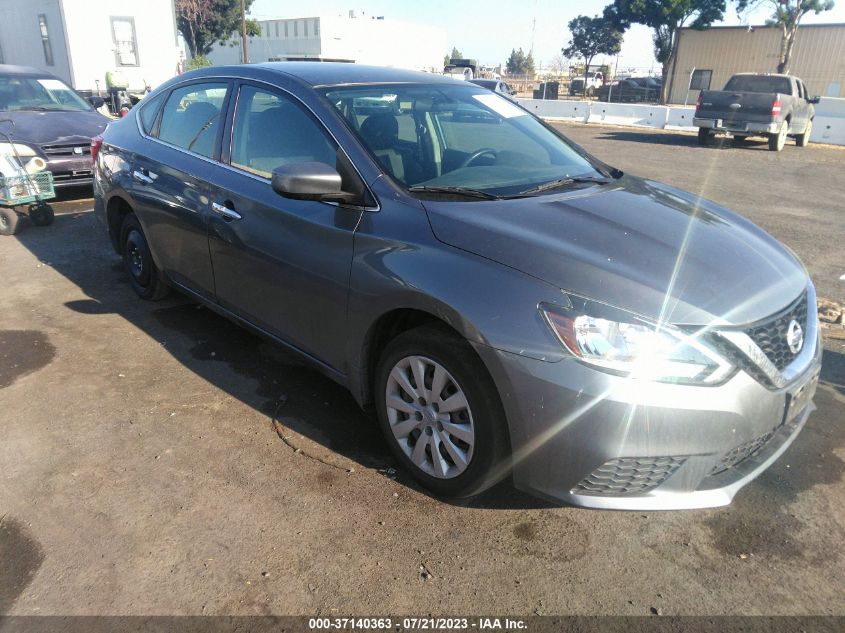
point(706, 59)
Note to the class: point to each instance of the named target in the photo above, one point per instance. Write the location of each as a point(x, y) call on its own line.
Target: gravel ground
point(158, 460)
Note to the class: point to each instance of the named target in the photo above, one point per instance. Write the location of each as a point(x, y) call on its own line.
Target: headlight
point(19, 149)
point(622, 343)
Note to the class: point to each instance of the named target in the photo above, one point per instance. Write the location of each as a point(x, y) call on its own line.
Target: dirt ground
point(158, 460)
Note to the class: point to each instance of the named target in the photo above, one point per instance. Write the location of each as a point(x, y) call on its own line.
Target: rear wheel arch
point(117, 209)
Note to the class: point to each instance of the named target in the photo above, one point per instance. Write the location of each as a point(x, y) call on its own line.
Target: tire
point(41, 214)
point(475, 433)
point(802, 140)
point(703, 135)
point(143, 274)
point(9, 221)
point(777, 141)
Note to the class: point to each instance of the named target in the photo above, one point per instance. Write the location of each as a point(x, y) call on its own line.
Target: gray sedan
point(509, 304)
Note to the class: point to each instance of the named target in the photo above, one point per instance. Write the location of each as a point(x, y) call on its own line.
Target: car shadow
point(309, 413)
point(684, 140)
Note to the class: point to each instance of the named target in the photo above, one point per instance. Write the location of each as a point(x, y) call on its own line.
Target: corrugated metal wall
point(818, 57)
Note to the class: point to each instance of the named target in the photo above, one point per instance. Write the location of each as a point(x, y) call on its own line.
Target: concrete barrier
point(828, 125)
point(565, 110)
point(628, 114)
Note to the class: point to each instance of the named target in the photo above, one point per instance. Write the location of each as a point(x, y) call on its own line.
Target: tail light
point(698, 104)
point(776, 105)
point(124, 111)
point(96, 144)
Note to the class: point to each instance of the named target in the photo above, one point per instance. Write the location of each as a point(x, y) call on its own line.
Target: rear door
point(281, 264)
point(170, 186)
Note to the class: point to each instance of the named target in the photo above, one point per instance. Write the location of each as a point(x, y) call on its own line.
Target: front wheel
point(441, 414)
point(802, 140)
point(138, 261)
point(777, 141)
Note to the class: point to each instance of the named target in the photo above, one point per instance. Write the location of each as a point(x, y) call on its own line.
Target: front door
point(281, 264)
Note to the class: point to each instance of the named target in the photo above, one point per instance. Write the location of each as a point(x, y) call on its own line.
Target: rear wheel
point(138, 261)
point(440, 412)
point(9, 221)
point(41, 214)
point(703, 135)
point(802, 140)
point(777, 141)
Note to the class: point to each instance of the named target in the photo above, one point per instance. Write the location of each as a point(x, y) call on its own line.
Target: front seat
point(381, 132)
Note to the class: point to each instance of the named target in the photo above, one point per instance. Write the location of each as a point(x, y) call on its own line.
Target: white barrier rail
point(828, 125)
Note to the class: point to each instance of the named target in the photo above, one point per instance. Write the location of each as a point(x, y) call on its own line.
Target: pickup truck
point(774, 106)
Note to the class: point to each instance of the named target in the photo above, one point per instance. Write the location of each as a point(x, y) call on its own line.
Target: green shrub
point(200, 61)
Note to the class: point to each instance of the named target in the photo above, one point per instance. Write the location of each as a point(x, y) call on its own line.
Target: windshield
point(757, 83)
point(38, 93)
point(437, 136)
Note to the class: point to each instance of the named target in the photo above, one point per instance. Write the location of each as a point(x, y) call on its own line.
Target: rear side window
point(272, 130)
point(149, 112)
point(191, 117)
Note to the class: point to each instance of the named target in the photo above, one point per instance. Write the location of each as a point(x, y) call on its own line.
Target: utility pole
point(243, 32)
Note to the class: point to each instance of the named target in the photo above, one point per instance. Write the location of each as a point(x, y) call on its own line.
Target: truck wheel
point(9, 221)
point(703, 136)
point(777, 141)
point(802, 140)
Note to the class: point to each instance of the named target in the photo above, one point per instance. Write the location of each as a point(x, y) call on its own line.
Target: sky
point(487, 30)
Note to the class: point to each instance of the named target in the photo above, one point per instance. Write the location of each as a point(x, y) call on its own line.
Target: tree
point(665, 18)
point(786, 15)
point(204, 22)
point(519, 63)
point(456, 54)
point(591, 37)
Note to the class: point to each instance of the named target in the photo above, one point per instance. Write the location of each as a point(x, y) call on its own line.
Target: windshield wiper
point(460, 191)
point(563, 182)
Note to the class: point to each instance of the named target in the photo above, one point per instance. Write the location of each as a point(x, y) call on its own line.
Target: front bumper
point(739, 127)
point(591, 439)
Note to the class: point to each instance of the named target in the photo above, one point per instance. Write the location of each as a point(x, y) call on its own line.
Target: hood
point(635, 244)
point(54, 128)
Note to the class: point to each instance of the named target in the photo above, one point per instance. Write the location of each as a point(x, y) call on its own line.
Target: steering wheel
point(484, 151)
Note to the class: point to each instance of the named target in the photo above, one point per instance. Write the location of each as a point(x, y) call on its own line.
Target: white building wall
point(92, 47)
point(20, 37)
point(82, 40)
point(381, 42)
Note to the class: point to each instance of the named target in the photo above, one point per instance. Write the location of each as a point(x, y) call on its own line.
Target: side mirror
point(814, 100)
point(310, 181)
point(96, 102)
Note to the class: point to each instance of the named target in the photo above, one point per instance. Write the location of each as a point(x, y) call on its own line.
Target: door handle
point(142, 177)
point(225, 212)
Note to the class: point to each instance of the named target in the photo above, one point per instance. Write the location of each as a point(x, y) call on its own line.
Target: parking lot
point(158, 460)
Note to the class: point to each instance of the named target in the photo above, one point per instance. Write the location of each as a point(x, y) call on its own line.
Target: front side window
point(45, 40)
point(191, 117)
point(125, 43)
point(272, 130)
point(456, 136)
point(38, 94)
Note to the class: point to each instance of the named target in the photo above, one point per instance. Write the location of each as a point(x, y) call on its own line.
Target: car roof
point(8, 69)
point(339, 73)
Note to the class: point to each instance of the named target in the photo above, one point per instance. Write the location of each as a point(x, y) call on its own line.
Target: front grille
point(67, 149)
point(742, 452)
point(628, 476)
point(72, 176)
point(770, 336)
